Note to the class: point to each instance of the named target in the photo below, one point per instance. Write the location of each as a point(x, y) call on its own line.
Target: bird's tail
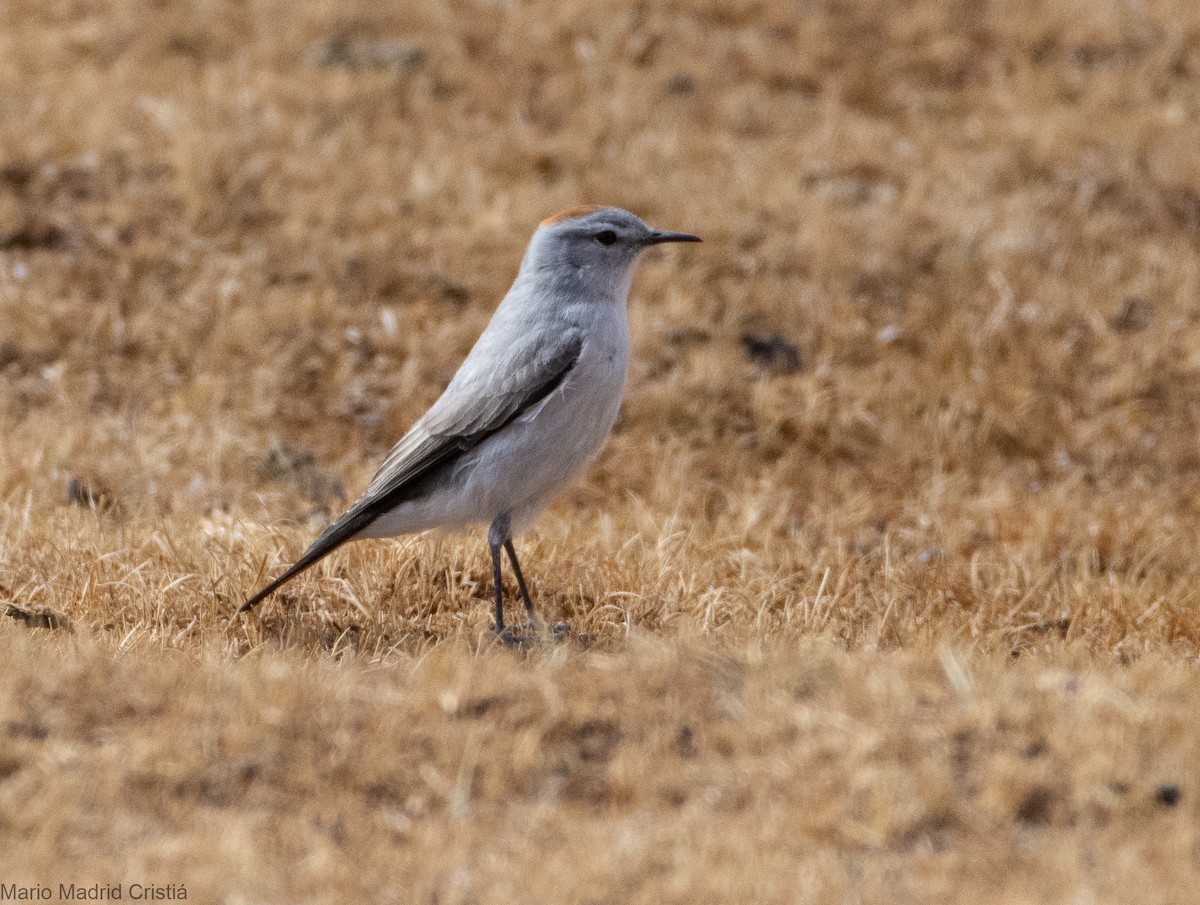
point(333, 537)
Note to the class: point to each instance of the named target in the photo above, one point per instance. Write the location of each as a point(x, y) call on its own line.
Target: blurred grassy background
point(925, 403)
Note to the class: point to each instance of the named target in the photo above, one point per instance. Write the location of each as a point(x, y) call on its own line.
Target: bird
point(528, 408)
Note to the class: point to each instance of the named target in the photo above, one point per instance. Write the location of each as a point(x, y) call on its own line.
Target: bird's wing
point(479, 402)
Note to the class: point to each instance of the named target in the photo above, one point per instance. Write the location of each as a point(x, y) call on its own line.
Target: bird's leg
point(498, 537)
point(512, 557)
point(496, 580)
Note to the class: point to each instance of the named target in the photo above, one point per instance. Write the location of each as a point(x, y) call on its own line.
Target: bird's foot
point(558, 631)
point(512, 637)
point(529, 633)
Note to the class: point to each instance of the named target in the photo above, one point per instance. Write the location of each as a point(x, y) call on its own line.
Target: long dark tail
point(333, 537)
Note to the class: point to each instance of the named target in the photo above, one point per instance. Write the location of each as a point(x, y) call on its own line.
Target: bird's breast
point(576, 418)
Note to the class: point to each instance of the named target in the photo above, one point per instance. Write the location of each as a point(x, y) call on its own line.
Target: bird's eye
point(606, 237)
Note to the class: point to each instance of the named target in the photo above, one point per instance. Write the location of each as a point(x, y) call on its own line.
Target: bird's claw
point(530, 632)
point(511, 638)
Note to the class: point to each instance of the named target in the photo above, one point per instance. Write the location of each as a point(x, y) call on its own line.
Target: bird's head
point(598, 245)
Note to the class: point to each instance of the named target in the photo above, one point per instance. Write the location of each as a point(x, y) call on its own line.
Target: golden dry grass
point(906, 613)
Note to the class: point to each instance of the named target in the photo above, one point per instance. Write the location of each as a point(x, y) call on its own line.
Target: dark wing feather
point(456, 424)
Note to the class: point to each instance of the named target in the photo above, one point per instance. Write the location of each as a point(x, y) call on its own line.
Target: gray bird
point(529, 407)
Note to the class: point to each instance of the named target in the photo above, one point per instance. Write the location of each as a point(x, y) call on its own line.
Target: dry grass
point(888, 573)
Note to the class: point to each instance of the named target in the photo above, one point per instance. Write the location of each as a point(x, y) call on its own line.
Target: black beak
point(658, 236)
